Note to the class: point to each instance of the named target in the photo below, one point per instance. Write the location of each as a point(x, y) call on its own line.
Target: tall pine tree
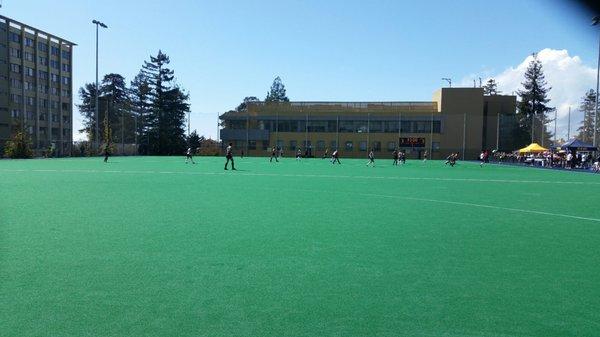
point(277, 92)
point(588, 104)
point(141, 104)
point(533, 106)
point(169, 105)
point(87, 109)
point(491, 88)
point(113, 99)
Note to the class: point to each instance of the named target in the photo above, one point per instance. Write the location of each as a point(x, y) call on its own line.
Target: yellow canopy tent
point(533, 148)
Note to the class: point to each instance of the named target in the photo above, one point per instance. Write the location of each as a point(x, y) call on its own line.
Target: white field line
point(361, 194)
point(483, 206)
point(514, 181)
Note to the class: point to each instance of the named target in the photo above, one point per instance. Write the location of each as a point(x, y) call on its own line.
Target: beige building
point(36, 87)
point(456, 120)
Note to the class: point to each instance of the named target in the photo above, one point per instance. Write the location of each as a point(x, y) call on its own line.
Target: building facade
point(456, 120)
point(36, 86)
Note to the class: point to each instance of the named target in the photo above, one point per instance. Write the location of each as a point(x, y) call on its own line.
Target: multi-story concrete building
point(36, 87)
point(456, 120)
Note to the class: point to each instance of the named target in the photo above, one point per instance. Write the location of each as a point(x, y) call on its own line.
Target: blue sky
point(222, 51)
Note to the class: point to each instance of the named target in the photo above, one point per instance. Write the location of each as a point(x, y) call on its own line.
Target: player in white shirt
point(371, 158)
point(229, 156)
point(188, 156)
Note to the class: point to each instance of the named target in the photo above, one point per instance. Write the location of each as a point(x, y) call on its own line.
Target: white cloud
point(569, 78)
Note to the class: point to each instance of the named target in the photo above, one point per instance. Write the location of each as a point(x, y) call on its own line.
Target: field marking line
point(515, 181)
point(458, 203)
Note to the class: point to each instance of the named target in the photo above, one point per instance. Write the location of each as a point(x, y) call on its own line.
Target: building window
point(362, 145)
point(65, 119)
point(28, 56)
point(55, 118)
point(251, 145)
point(54, 91)
point(66, 67)
point(30, 115)
point(293, 145)
point(43, 89)
point(53, 105)
point(54, 51)
point(391, 146)
point(29, 72)
point(43, 75)
point(66, 93)
point(15, 113)
point(66, 54)
point(15, 53)
point(349, 145)
point(280, 144)
point(28, 42)
point(43, 103)
point(42, 46)
point(30, 101)
point(435, 145)
point(54, 64)
point(15, 83)
point(14, 37)
point(42, 129)
point(54, 78)
point(43, 60)
point(66, 80)
point(18, 99)
point(376, 146)
point(320, 145)
point(29, 86)
point(15, 68)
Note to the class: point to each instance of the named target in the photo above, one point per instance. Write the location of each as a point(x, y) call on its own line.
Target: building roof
point(7, 19)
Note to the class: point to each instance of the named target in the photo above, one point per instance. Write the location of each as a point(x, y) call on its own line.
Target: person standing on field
point(188, 156)
point(335, 157)
point(273, 155)
point(229, 156)
point(371, 158)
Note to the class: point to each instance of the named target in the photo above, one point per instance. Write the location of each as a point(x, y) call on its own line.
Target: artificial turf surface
point(150, 246)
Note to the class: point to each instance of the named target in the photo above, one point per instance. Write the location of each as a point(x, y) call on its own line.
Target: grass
point(149, 246)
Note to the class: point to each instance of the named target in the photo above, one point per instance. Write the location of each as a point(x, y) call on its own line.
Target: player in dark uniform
point(273, 155)
point(395, 157)
point(229, 156)
point(106, 153)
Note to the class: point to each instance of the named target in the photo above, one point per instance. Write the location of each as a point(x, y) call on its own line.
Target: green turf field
point(149, 246)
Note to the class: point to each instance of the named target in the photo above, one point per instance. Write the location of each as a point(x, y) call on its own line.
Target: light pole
point(449, 80)
point(596, 21)
point(97, 23)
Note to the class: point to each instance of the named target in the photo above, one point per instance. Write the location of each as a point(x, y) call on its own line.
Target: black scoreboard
point(411, 142)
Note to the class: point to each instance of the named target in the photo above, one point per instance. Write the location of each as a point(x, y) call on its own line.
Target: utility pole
point(569, 125)
point(596, 21)
point(98, 24)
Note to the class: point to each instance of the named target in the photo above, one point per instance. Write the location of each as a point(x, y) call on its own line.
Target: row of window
point(15, 37)
point(30, 115)
point(43, 88)
point(345, 126)
point(16, 68)
point(322, 145)
point(17, 53)
point(43, 103)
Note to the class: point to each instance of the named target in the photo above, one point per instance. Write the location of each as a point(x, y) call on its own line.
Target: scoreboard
point(411, 142)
